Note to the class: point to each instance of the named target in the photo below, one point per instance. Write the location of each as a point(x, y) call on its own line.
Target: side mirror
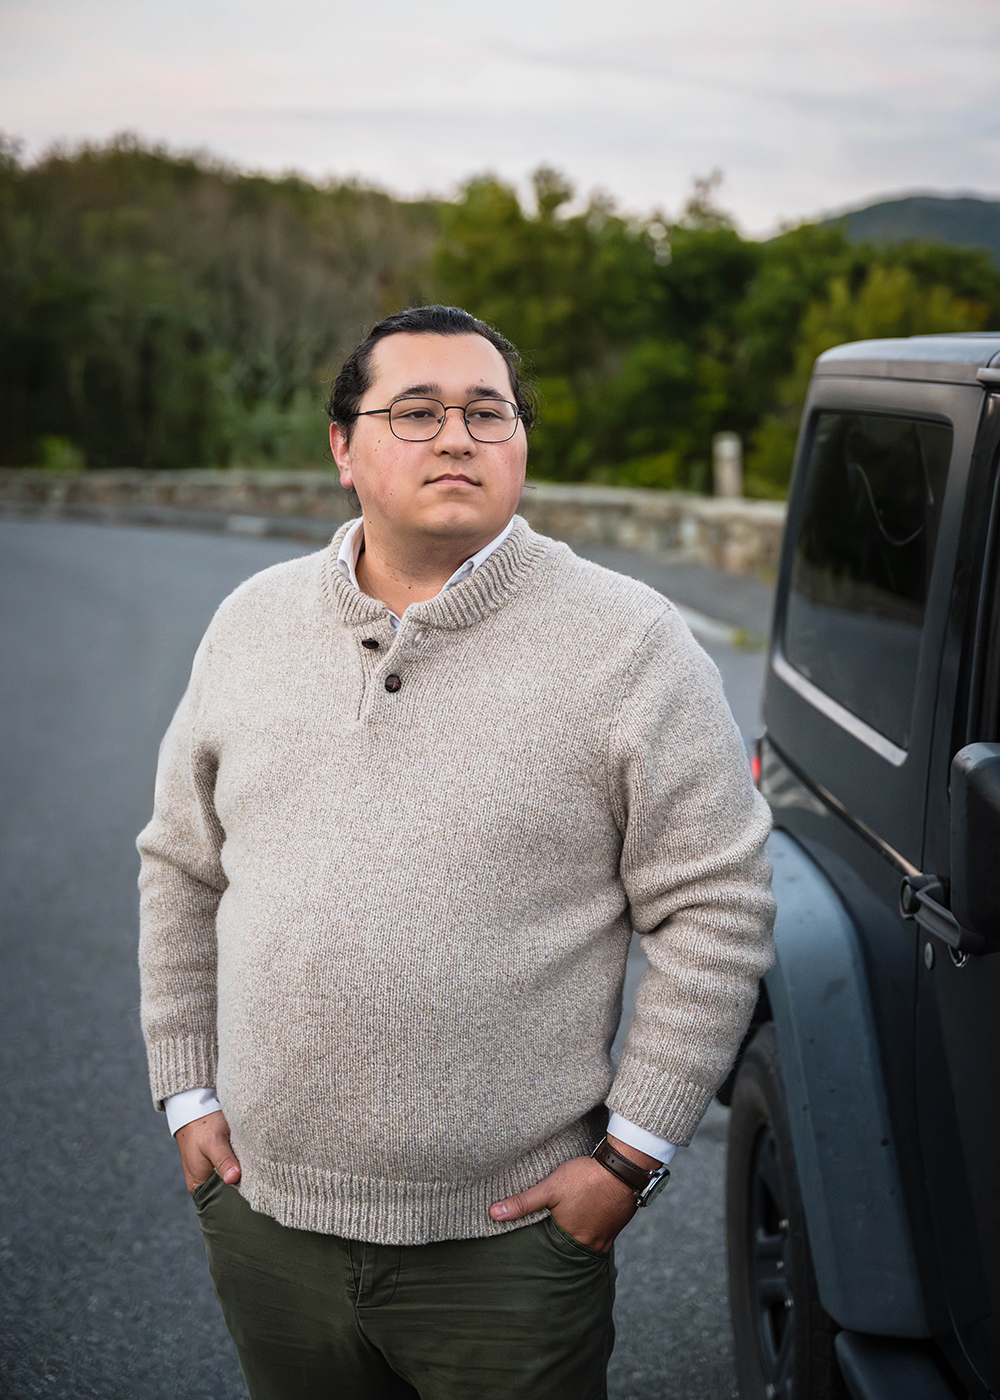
point(975, 841)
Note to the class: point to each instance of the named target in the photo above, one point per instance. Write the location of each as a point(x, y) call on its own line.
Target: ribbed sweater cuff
point(661, 1103)
point(187, 1062)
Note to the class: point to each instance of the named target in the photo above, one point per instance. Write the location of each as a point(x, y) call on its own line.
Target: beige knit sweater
point(390, 924)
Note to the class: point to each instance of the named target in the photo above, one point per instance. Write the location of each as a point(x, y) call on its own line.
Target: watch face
point(649, 1195)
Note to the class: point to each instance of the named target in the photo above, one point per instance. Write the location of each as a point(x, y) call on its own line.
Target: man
point(421, 787)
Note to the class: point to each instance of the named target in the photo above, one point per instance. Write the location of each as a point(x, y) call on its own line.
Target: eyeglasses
point(419, 420)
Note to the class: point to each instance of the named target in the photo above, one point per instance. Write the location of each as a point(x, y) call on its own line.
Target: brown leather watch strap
point(635, 1177)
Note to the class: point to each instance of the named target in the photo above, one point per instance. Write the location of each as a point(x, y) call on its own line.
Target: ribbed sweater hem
point(379, 1211)
point(670, 1107)
point(188, 1062)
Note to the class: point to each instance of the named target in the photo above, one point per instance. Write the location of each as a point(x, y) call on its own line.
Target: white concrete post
point(727, 465)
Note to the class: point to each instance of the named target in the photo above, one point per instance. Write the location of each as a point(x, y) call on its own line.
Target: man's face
point(451, 487)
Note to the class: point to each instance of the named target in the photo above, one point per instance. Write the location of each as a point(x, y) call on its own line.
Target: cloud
point(805, 107)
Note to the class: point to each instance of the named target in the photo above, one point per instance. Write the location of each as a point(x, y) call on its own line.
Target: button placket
point(405, 647)
point(373, 649)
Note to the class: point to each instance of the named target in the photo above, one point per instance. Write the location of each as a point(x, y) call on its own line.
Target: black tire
point(784, 1339)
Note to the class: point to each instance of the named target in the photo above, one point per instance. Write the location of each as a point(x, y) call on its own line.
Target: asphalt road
point(105, 1291)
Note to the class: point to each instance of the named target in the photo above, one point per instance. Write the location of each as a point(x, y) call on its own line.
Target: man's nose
point(454, 435)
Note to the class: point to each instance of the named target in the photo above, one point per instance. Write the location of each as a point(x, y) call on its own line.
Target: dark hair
point(355, 378)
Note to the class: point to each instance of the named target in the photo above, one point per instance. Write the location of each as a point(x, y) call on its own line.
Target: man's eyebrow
point(419, 391)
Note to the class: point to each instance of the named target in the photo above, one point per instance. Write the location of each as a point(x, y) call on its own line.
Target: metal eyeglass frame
point(370, 412)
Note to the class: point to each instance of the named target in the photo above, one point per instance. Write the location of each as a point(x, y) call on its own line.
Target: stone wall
point(742, 537)
point(736, 535)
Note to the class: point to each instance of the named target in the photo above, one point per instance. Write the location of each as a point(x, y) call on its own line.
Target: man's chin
point(456, 520)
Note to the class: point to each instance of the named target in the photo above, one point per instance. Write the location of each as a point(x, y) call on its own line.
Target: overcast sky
point(804, 105)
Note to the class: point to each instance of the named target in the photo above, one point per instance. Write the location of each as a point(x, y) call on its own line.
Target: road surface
point(105, 1291)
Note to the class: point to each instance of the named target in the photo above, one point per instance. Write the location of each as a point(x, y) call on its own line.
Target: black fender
point(859, 1233)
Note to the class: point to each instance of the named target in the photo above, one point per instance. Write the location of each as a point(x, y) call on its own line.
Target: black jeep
point(864, 1146)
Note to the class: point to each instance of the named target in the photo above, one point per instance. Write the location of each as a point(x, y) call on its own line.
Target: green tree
point(158, 310)
point(680, 383)
point(162, 310)
point(899, 296)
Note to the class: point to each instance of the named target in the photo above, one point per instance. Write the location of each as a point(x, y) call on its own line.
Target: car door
point(958, 996)
point(863, 608)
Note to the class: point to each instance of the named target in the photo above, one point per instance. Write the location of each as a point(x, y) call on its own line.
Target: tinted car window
point(873, 494)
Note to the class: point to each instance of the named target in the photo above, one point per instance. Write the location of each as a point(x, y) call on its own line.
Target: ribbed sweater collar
point(501, 576)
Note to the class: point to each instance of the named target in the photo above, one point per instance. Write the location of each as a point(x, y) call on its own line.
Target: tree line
point(159, 310)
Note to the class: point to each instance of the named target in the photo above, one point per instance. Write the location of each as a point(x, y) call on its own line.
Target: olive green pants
point(316, 1317)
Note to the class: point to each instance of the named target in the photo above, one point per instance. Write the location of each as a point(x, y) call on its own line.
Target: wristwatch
point(646, 1185)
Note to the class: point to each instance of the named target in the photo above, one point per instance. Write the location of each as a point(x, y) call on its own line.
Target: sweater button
point(370, 643)
point(392, 684)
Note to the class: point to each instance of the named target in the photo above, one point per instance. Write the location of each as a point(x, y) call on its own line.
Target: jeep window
point(862, 565)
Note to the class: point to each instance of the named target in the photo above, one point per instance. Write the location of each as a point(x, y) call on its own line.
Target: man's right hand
point(205, 1148)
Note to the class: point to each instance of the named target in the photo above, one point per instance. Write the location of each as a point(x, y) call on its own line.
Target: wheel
point(784, 1339)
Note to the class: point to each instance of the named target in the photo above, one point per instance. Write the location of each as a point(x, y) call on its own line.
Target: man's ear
point(340, 448)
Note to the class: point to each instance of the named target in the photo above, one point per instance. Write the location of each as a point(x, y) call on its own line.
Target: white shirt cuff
point(638, 1138)
point(185, 1107)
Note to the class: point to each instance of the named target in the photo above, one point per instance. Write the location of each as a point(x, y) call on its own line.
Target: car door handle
point(922, 899)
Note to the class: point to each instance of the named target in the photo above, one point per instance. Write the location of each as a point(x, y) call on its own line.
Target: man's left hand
point(583, 1197)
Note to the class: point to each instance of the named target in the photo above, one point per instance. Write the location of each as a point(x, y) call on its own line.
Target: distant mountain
point(966, 222)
